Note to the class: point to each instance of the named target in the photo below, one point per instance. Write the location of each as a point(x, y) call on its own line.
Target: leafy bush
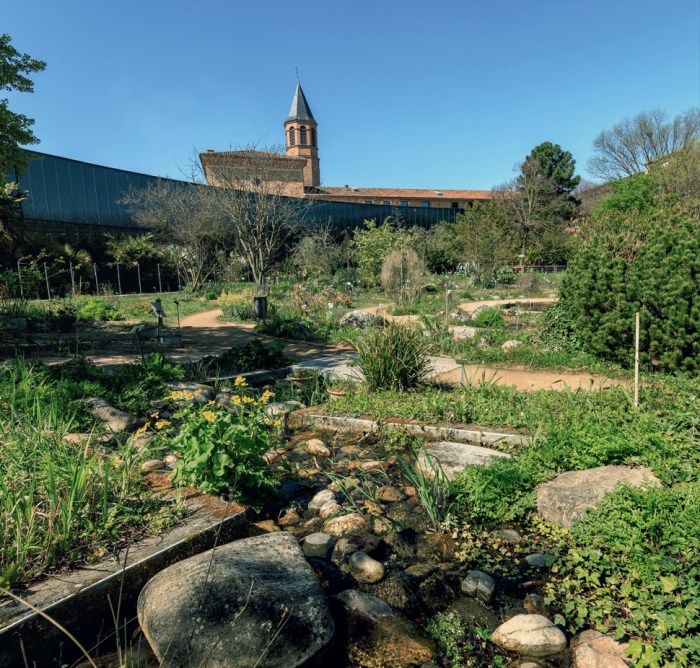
point(634, 570)
point(556, 332)
point(238, 306)
point(222, 450)
point(94, 309)
point(299, 329)
point(251, 356)
point(393, 357)
point(629, 263)
point(490, 317)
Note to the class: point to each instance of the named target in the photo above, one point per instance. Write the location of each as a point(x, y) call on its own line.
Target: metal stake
point(48, 288)
point(160, 285)
point(19, 274)
point(97, 282)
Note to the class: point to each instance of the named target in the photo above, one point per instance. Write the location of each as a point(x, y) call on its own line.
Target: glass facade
point(70, 191)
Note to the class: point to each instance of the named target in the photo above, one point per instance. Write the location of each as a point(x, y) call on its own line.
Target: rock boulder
point(236, 603)
point(568, 496)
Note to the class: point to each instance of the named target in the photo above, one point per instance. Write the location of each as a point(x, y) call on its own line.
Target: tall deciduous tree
point(634, 144)
point(15, 129)
point(253, 201)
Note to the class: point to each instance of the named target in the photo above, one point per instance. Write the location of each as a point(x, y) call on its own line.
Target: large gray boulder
point(453, 457)
point(112, 418)
point(568, 496)
point(234, 604)
point(362, 319)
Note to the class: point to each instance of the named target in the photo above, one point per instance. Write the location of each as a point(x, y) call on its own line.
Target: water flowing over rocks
point(235, 604)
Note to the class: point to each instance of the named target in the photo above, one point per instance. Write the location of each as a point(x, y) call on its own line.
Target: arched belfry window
point(292, 137)
point(302, 135)
point(313, 137)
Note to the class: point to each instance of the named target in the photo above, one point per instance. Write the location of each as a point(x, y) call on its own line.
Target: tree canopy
point(15, 129)
point(634, 144)
point(556, 165)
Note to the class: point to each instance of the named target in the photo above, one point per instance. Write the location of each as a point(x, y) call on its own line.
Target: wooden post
point(636, 361)
point(72, 279)
point(119, 280)
point(48, 288)
point(160, 285)
point(138, 272)
point(19, 276)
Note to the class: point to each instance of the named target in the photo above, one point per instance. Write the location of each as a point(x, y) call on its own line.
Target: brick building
point(298, 173)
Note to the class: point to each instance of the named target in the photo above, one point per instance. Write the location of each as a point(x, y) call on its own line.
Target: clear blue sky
point(447, 94)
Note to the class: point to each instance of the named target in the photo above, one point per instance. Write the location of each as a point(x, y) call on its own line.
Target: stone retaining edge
point(459, 435)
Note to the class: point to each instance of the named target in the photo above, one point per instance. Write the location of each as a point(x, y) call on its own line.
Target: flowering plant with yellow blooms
point(222, 446)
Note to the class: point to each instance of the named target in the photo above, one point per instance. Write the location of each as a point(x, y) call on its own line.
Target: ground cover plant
point(252, 356)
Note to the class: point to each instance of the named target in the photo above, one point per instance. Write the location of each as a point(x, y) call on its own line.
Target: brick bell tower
point(300, 136)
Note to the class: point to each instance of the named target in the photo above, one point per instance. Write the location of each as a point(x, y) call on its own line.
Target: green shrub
point(556, 332)
point(634, 570)
point(252, 356)
point(489, 318)
point(392, 357)
point(94, 309)
point(631, 263)
point(238, 306)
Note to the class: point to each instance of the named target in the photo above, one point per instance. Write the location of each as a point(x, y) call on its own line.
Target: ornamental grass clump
point(393, 357)
point(222, 448)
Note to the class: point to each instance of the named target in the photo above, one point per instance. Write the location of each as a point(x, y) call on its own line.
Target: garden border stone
point(78, 599)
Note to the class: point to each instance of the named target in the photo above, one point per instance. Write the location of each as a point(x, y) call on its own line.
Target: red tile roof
point(405, 193)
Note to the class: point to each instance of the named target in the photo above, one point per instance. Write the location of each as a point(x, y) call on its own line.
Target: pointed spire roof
point(300, 110)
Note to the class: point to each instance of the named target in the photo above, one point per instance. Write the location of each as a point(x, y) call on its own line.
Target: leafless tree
point(186, 218)
point(259, 195)
point(403, 273)
point(634, 144)
point(318, 252)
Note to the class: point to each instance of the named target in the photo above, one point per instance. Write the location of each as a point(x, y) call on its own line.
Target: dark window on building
point(386, 202)
point(313, 137)
point(403, 203)
point(368, 201)
point(455, 205)
point(292, 137)
point(302, 135)
point(425, 205)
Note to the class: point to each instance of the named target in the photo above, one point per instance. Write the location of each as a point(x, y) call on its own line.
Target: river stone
point(390, 494)
point(507, 536)
point(233, 604)
point(317, 545)
point(151, 465)
point(112, 418)
point(348, 545)
point(365, 569)
point(329, 509)
point(320, 499)
point(479, 585)
point(339, 526)
point(509, 345)
point(532, 635)
point(317, 448)
point(389, 643)
point(201, 394)
point(592, 649)
point(473, 613)
point(453, 457)
point(277, 408)
point(534, 561)
point(568, 496)
point(362, 320)
point(359, 605)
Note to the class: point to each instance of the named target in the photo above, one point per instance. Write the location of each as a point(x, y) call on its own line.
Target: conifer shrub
point(631, 263)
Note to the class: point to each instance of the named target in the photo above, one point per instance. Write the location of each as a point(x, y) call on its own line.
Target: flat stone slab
point(453, 457)
point(252, 602)
point(311, 417)
point(567, 497)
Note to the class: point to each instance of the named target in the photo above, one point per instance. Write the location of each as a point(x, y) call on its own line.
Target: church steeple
point(300, 133)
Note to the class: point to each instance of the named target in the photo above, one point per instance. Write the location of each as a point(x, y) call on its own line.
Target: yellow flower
point(161, 423)
point(175, 395)
point(117, 463)
point(266, 396)
point(276, 423)
point(247, 400)
point(188, 395)
point(210, 416)
point(154, 415)
point(240, 382)
point(211, 403)
point(236, 400)
point(142, 430)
